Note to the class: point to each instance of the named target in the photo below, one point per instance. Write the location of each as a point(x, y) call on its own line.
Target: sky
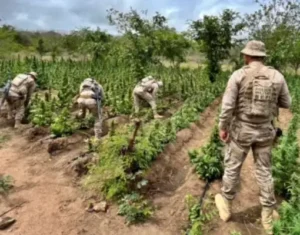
point(67, 15)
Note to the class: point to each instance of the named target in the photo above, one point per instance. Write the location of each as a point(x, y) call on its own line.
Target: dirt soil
point(55, 204)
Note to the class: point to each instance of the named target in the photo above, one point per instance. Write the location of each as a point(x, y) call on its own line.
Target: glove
point(278, 132)
point(150, 90)
point(26, 103)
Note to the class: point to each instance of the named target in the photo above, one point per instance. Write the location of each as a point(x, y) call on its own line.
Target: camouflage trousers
point(16, 108)
point(139, 97)
point(92, 108)
point(259, 138)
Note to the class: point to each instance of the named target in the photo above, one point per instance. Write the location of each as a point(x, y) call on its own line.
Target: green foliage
point(135, 209)
point(198, 216)
point(289, 220)
point(6, 183)
point(215, 35)
point(3, 139)
point(63, 124)
point(286, 170)
point(276, 22)
point(42, 111)
point(209, 160)
point(87, 122)
point(285, 158)
point(117, 174)
point(96, 42)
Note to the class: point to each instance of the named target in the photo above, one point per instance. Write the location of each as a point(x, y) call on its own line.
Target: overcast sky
point(66, 15)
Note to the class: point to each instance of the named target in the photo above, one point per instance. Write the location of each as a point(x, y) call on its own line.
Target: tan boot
point(224, 207)
point(18, 124)
point(267, 219)
point(157, 116)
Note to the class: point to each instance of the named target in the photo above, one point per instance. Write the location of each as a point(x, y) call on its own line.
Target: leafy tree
point(23, 39)
point(293, 56)
point(72, 41)
point(215, 35)
point(171, 45)
point(148, 39)
point(276, 22)
point(98, 43)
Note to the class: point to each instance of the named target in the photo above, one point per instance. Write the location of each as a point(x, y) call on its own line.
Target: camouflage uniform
point(146, 90)
point(22, 87)
point(87, 101)
point(250, 103)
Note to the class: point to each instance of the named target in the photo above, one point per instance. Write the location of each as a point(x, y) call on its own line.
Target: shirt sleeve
point(31, 88)
point(229, 101)
point(155, 88)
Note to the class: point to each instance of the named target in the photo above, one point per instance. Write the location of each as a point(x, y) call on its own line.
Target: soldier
point(91, 94)
point(147, 90)
point(20, 92)
point(250, 103)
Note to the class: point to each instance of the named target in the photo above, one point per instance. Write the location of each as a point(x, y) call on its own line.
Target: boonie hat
point(255, 48)
point(34, 74)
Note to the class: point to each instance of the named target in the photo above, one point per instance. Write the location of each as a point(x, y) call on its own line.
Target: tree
point(275, 23)
point(98, 43)
point(171, 45)
point(148, 39)
point(23, 39)
point(215, 36)
point(72, 41)
point(41, 48)
point(293, 57)
point(139, 37)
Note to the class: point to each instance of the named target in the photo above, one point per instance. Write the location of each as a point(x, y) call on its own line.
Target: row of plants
point(286, 169)
point(208, 163)
point(117, 79)
point(118, 172)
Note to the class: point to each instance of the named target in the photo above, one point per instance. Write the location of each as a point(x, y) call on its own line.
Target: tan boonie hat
point(34, 74)
point(255, 48)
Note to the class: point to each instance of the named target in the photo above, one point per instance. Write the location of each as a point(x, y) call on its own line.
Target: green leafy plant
point(286, 171)
point(6, 183)
point(3, 139)
point(135, 208)
point(208, 161)
point(285, 158)
point(198, 216)
point(42, 111)
point(63, 124)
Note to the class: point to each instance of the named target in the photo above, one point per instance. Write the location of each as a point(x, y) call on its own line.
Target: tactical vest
point(258, 95)
point(18, 84)
point(88, 84)
point(146, 83)
point(88, 89)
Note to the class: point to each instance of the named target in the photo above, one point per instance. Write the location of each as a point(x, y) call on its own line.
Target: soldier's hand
point(224, 136)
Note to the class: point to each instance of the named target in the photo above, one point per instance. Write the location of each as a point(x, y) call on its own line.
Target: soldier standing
point(147, 90)
point(250, 103)
point(20, 92)
point(90, 97)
